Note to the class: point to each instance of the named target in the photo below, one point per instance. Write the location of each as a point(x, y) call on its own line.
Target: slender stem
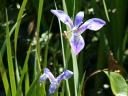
point(76, 72)
point(74, 7)
point(64, 60)
point(106, 12)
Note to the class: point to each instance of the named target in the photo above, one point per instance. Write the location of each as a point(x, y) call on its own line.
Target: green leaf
point(19, 18)
point(105, 9)
point(62, 46)
point(19, 21)
point(76, 72)
point(24, 74)
point(81, 85)
point(4, 77)
point(118, 84)
point(10, 61)
point(31, 91)
point(40, 8)
point(3, 48)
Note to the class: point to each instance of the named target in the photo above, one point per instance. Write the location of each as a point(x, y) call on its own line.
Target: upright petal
point(63, 17)
point(53, 87)
point(92, 24)
point(49, 74)
point(79, 19)
point(77, 43)
point(65, 75)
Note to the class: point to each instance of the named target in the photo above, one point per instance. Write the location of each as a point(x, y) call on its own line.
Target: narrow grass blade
point(106, 11)
point(4, 44)
point(75, 67)
point(10, 61)
point(38, 28)
point(26, 82)
point(31, 91)
point(81, 85)
point(25, 70)
point(36, 88)
point(64, 61)
point(64, 6)
point(46, 48)
point(18, 22)
point(23, 74)
point(16, 36)
point(4, 77)
point(37, 68)
point(63, 53)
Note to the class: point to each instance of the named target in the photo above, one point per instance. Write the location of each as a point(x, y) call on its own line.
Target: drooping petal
point(92, 24)
point(63, 17)
point(53, 87)
point(95, 24)
point(43, 77)
point(65, 75)
point(77, 43)
point(49, 74)
point(79, 19)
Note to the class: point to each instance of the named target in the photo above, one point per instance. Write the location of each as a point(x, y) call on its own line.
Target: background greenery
point(31, 38)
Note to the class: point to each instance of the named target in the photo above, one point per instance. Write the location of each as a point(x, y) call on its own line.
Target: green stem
point(76, 72)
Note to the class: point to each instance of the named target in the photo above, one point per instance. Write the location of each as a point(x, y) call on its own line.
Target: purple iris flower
point(78, 27)
point(55, 81)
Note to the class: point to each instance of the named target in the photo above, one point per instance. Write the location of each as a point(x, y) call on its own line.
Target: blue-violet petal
point(63, 17)
point(92, 24)
point(53, 87)
point(65, 75)
point(79, 19)
point(49, 74)
point(77, 43)
point(43, 77)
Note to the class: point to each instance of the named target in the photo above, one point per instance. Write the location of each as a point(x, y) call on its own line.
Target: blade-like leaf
point(4, 77)
point(81, 85)
point(24, 74)
point(32, 87)
point(10, 61)
point(62, 46)
point(18, 22)
point(76, 72)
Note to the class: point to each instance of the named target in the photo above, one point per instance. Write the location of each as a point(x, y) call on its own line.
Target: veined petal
point(53, 87)
point(79, 19)
point(92, 24)
point(65, 75)
point(49, 74)
point(63, 17)
point(77, 43)
point(95, 24)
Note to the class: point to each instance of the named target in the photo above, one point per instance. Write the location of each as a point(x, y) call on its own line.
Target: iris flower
point(55, 81)
point(78, 27)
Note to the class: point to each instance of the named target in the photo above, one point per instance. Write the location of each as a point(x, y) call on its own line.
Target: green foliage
point(10, 61)
point(118, 83)
point(23, 27)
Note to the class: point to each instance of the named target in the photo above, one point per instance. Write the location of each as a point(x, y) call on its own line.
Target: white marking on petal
point(79, 19)
point(49, 75)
